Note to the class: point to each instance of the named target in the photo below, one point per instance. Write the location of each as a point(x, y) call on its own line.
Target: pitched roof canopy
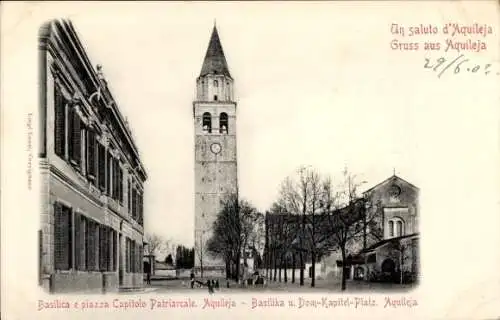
point(215, 61)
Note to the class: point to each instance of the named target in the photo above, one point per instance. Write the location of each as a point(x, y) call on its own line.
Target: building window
point(63, 237)
point(207, 122)
point(109, 178)
point(223, 121)
point(91, 154)
point(396, 227)
point(216, 83)
point(75, 134)
point(215, 97)
point(80, 243)
point(399, 228)
point(59, 123)
point(101, 168)
point(115, 250)
point(120, 185)
point(90, 245)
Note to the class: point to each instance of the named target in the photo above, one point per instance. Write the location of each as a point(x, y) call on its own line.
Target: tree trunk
point(301, 258)
point(237, 275)
point(313, 266)
point(285, 269)
point(279, 270)
point(301, 248)
point(228, 269)
point(293, 267)
point(401, 267)
point(275, 266)
point(343, 267)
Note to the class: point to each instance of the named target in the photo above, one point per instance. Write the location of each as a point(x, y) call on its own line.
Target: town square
point(325, 227)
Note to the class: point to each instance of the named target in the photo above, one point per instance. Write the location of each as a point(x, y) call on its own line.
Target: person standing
point(192, 279)
point(147, 270)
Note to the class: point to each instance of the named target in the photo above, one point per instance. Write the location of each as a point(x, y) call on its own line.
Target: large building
point(214, 112)
point(92, 178)
point(384, 249)
point(394, 249)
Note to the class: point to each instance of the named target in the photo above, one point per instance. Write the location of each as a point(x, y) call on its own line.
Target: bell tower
point(214, 111)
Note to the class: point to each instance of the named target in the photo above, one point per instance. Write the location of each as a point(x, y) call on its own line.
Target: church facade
point(390, 251)
point(214, 113)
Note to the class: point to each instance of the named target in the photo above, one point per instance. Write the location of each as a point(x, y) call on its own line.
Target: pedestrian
point(209, 286)
point(147, 269)
point(192, 279)
point(217, 284)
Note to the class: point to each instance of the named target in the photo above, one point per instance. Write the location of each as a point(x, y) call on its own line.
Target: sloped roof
point(393, 177)
point(215, 61)
point(385, 241)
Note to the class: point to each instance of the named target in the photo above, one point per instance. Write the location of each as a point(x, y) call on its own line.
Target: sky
point(313, 87)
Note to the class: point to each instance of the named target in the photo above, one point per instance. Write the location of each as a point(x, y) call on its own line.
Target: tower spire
point(215, 61)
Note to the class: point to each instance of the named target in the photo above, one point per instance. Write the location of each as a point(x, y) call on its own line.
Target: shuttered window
point(63, 242)
point(75, 147)
point(111, 264)
point(102, 166)
point(102, 248)
point(120, 185)
point(134, 203)
point(115, 250)
point(91, 245)
point(140, 214)
point(109, 179)
point(115, 179)
point(132, 257)
point(127, 254)
point(129, 196)
point(59, 122)
point(80, 242)
point(91, 153)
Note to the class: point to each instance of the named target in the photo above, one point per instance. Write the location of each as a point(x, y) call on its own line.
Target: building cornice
point(69, 32)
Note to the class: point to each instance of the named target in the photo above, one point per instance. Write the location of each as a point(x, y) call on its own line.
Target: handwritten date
point(457, 65)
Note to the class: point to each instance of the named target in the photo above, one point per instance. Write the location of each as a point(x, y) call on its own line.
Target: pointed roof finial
point(215, 61)
point(215, 22)
point(393, 171)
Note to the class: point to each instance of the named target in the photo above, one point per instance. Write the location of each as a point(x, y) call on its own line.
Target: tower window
point(223, 123)
point(215, 97)
point(207, 122)
point(216, 83)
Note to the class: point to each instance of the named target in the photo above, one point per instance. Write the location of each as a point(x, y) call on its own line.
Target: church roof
point(215, 61)
point(391, 178)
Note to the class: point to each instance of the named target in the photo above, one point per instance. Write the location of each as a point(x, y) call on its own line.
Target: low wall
point(166, 273)
point(66, 282)
point(133, 280)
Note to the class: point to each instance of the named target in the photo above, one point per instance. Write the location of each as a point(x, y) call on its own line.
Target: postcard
point(250, 160)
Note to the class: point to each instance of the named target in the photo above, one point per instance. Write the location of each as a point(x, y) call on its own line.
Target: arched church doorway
point(388, 266)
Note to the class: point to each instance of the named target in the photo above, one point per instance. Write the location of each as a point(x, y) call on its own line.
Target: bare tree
point(303, 196)
point(294, 197)
point(234, 232)
point(348, 216)
point(155, 244)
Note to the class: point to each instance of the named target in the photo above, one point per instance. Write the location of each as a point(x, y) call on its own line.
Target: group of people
point(211, 284)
